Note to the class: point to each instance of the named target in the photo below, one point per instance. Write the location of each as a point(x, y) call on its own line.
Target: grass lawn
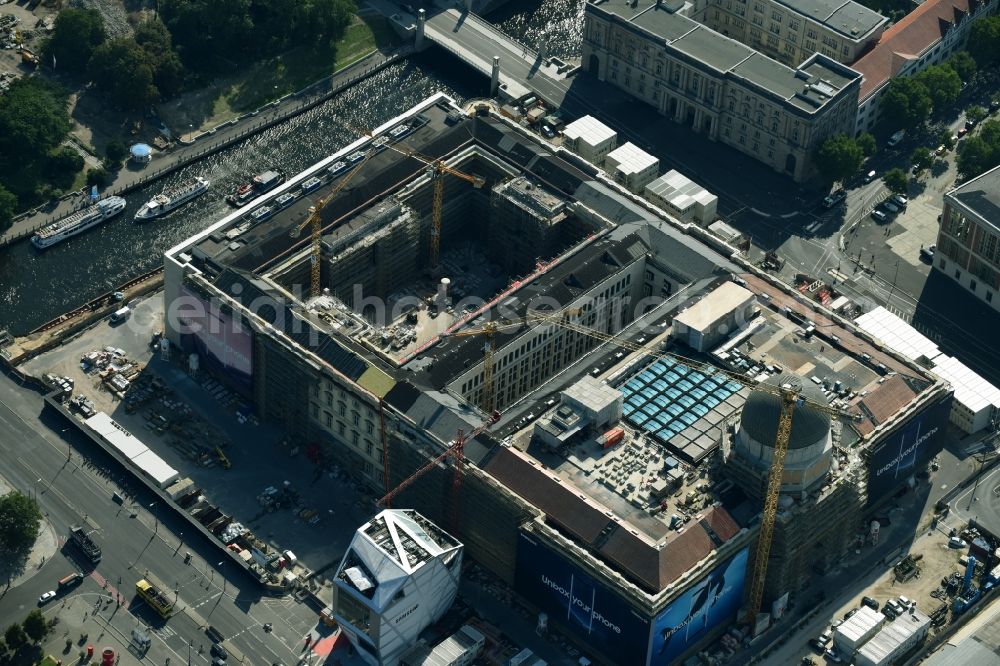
point(300, 67)
point(48, 661)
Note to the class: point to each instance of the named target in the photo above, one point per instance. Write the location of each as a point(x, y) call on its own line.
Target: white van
point(120, 315)
point(869, 177)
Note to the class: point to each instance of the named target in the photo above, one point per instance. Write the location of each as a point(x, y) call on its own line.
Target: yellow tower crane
point(437, 170)
point(489, 331)
point(315, 223)
point(787, 394)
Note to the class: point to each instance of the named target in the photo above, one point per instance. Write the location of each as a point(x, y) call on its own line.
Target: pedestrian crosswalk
point(164, 632)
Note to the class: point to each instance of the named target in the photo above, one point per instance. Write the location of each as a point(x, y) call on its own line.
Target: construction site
point(654, 443)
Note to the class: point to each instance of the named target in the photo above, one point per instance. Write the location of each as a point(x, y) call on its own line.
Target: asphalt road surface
point(74, 482)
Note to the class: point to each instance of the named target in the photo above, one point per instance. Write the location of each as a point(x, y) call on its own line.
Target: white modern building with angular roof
point(399, 575)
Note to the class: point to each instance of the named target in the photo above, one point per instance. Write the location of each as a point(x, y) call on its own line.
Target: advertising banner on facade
point(901, 453)
point(224, 343)
point(576, 601)
point(712, 601)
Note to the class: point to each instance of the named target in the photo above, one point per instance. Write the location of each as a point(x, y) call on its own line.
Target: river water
point(36, 287)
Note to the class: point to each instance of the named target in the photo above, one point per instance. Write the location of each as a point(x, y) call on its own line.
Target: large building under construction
point(468, 267)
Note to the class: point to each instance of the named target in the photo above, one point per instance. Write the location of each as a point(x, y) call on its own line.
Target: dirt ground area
point(32, 35)
point(200, 415)
point(937, 561)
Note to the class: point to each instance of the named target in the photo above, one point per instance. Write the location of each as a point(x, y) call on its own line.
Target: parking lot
point(188, 420)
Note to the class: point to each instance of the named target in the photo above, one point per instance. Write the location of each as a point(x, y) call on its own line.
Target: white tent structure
point(399, 575)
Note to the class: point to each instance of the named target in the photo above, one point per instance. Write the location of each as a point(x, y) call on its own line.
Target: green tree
point(15, 637)
point(942, 84)
point(963, 64)
point(922, 158)
point(115, 153)
point(947, 138)
point(168, 71)
point(221, 34)
point(209, 31)
point(33, 120)
point(35, 626)
point(8, 207)
point(75, 35)
point(20, 521)
point(121, 68)
point(326, 19)
point(984, 41)
point(838, 158)
point(980, 153)
point(866, 142)
point(62, 167)
point(98, 176)
point(905, 104)
point(896, 180)
point(976, 114)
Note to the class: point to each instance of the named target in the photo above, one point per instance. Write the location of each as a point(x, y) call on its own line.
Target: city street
point(74, 482)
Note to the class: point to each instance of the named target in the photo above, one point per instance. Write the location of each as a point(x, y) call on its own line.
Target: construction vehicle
point(83, 540)
point(155, 596)
point(789, 396)
point(28, 57)
point(315, 223)
point(772, 262)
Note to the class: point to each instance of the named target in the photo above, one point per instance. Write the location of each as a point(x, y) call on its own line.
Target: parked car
point(941, 150)
point(849, 613)
point(815, 644)
point(46, 598)
point(833, 656)
point(969, 124)
point(962, 132)
point(994, 105)
point(834, 198)
point(871, 603)
point(890, 206)
point(869, 177)
point(956, 542)
point(825, 637)
point(899, 200)
point(219, 651)
point(879, 215)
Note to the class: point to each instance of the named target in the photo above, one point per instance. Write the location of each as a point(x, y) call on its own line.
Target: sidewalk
point(44, 548)
point(191, 149)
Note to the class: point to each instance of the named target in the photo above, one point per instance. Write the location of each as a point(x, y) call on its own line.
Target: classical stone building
point(719, 87)
point(792, 30)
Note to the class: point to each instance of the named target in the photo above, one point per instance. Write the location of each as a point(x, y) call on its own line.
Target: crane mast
point(789, 397)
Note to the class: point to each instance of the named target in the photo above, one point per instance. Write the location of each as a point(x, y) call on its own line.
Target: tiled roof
point(906, 40)
point(560, 504)
point(884, 402)
point(650, 566)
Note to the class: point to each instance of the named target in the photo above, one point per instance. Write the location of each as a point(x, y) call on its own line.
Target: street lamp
point(979, 472)
point(224, 581)
point(888, 301)
point(155, 517)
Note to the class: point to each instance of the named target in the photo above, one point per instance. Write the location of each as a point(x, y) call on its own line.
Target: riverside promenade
point(190, 149)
